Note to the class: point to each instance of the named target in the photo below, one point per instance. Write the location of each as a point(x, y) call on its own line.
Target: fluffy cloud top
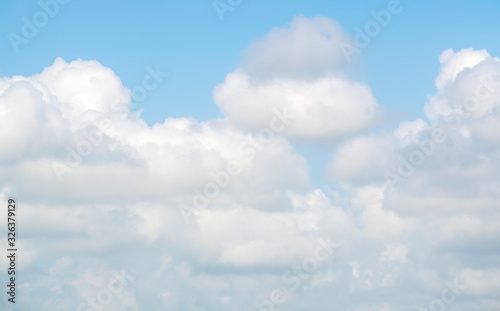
point(307, 48)
point(298, 69)
point(453, 63)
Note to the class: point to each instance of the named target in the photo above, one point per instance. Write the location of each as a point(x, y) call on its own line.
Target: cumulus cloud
point(306, 48)
point(435, 179)
point(94, 177)
point(327, 107)
point(453, 63)
point(298, 69)
point(100, 190)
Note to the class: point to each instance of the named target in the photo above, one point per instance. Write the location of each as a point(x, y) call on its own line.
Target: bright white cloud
point(298, 69)
point(327, 107)
point(117, 209)
point(453, 63)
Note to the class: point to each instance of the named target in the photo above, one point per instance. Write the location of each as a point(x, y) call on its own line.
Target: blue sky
point(267, 170)
point(198, 49)
point(188, 40)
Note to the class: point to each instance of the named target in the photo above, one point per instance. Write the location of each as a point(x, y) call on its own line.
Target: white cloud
point(441, 215)
point(306, 48)
point(453, 63)
point(118, 209)
point(362, 159)
point(330, 106)
point(299, 70)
